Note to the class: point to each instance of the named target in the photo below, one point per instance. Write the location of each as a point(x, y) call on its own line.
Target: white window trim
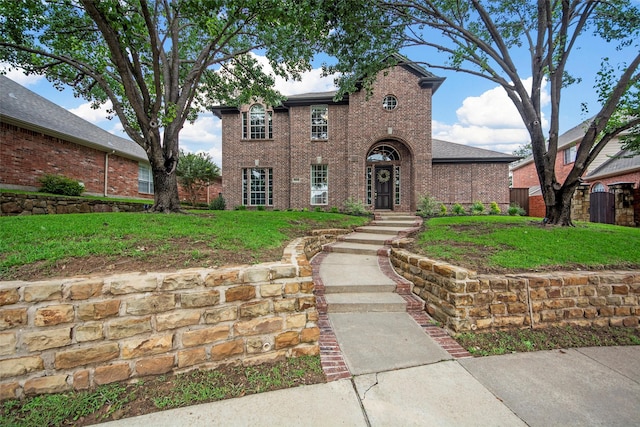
point(326, 125)
point(147, 181)
point(324, 189)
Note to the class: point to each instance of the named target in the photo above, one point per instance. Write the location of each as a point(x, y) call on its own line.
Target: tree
point(481, 37)
point(523, 150)
point(161, 62)
point(196, 172)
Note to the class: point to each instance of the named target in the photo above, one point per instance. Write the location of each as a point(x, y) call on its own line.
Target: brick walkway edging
point(331, 358)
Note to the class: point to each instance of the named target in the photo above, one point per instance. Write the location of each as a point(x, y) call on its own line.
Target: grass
point(26, 240)
point(520, 243)
point(84, 196)
point(525, 340)
point(119, 400)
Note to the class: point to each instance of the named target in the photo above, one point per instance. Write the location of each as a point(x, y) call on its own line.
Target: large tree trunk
point(165, 196)
point(558, 206)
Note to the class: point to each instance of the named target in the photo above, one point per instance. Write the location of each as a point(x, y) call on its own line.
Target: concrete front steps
point(350, 271)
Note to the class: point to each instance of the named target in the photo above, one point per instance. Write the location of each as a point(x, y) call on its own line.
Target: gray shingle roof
point(21, 107)
point(623, 162)
point(450, 152)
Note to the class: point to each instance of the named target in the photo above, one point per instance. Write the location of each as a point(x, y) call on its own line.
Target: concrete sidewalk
point(589, 386)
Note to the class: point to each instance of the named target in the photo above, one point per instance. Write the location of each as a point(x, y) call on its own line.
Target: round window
point(389, 102)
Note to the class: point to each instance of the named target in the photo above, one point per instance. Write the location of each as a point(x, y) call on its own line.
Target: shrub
point(516, 210)
point(494, 209)
point(334, 209)
point(354, 207)
point(443, 210)
point(458, 209)
point(58, 184)
point(261, 208)
point(218, 204)
point(427, 206)
point(240, 208)
point(318, 209)
point(477, 208)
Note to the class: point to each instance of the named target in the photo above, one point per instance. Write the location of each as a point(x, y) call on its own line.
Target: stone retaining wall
point(464, 301)
point(64, 334)
point(38, 204)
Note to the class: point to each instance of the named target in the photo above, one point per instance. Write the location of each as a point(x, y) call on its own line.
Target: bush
point(354, 207)
point(240, 208)
point(458, 209)
point(427, 206)
point(494, 209)
point(318, 209)
point(516, 210)
point(477, 208)
point(261, 208)
point(334, 209)
point(58, 184)
point(218, 204)
point(443, 210)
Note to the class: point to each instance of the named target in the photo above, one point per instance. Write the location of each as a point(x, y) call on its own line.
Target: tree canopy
point(480, 38)
point(162, 62)
point(195, 172)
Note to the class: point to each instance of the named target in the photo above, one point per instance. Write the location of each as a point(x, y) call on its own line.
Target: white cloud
point(489, 121)
point(18, 75)
point(311, 81)
point(92, 115)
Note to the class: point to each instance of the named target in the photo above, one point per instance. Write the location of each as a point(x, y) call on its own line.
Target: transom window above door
point(383, 153)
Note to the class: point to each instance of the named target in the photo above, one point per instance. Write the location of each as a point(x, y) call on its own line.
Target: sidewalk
point(583, 387)
point(391, 368)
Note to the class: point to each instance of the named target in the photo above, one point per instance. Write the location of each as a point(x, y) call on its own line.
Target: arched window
point(598, 188)
point(383, 153)
point(258, 124)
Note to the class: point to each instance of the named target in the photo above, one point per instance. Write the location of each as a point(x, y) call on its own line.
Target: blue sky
point(466, 109)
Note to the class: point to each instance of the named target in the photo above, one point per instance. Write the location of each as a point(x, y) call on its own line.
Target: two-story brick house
point(313, 151)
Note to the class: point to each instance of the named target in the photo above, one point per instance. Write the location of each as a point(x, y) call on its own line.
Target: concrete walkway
point(387, 365)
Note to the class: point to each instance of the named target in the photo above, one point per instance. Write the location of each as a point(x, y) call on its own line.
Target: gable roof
point(624, 162)
point(565, 140)
point(450, 152)
point(21, 107)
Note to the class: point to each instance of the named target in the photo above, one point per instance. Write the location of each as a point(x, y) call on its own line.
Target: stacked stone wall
point(76, 333)
point(463, 300)
point(38, 204)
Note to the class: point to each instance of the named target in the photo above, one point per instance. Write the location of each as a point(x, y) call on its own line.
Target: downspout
point(106, 172)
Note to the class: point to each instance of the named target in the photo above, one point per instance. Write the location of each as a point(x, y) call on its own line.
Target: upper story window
point(570, 155)
point(319, 122)
point(257, 123)
point(389, 102)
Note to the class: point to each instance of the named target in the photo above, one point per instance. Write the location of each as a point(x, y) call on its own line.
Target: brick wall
point(58, 335)
point(537, 208)
point(466, 183)
point(25, 156)
point(463, 300)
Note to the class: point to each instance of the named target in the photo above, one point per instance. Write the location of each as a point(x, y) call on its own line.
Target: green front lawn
point(240, 236)
point(503, 243)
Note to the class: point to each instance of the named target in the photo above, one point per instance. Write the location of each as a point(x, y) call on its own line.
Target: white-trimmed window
point(319, 184)
point(145, 179)
point(570, 155)
point(257, 187)
point(319, 122)
point(598, 188)
point(389, 102)
point(397, 184)
point(257, 123)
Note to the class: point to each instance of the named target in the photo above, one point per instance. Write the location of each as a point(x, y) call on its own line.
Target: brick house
point(524, 173)
point(38, 137)
point(312, 151)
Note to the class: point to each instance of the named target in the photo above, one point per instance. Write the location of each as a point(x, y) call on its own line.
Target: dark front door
point(384, 185)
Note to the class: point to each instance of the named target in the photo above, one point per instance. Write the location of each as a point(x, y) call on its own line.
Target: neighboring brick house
point(524, 173)
point(311, 151)
point(38, 137)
